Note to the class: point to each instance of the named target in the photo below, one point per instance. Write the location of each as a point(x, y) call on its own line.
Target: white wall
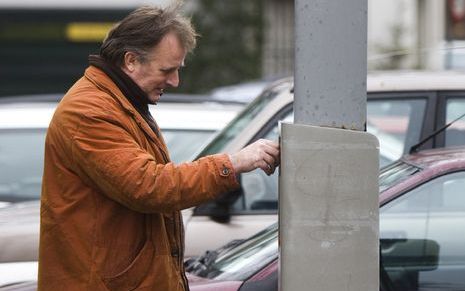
point(383, 18)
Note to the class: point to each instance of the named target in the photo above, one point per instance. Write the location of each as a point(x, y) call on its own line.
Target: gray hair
point(143, 29)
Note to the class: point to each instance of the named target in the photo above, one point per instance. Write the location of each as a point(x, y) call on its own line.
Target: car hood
point(195, 284)
point(16, 272)
point(19, 226)
point(202, 284)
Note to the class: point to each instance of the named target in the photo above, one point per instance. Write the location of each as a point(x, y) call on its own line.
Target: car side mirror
point(402, 260)
point(264, 204)
point(219, 210)
point(410, 254)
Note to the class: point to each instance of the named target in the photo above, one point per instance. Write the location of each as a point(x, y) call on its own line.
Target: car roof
point(210, 116)
point(383, 81)
point(444, 158)
point(26, 115)
point(392, 81)
point(166, 98)
point(200, 116)
point(242, 92)
point(431, 163)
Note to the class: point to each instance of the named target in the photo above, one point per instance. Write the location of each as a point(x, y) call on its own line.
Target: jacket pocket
point(133, 275)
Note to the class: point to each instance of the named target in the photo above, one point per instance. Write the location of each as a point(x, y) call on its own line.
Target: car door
point(399, 120)
point(422, 236)
point(254, 208)
point(21, 164)
point(451, 106)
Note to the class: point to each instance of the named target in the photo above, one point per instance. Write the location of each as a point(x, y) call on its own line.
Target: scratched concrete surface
point(328, 209)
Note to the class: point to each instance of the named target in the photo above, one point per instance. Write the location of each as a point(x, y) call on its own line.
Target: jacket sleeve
point(110, 157)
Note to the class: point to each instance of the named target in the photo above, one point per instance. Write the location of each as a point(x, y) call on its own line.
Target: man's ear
point(130, 61)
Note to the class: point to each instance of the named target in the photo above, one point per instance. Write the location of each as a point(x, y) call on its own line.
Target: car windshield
point(21, 162)
point(238, 123)
point(183, 144)
point(394, 174)
point(245, 259)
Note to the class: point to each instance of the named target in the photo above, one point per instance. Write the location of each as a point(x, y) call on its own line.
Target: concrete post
point(330, 63)
point(328, 203)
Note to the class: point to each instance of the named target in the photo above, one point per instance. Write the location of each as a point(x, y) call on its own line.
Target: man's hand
point(263, 154)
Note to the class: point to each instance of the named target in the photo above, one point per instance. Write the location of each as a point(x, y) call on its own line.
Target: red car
point(422, 234)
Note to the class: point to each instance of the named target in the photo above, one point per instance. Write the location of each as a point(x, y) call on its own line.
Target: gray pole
point(330, 67)
point(328, 204)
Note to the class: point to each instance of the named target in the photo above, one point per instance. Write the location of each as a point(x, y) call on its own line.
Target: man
point(111, 199)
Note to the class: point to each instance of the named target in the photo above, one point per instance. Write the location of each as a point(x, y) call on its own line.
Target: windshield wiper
point(415, 148)
point(200, 266)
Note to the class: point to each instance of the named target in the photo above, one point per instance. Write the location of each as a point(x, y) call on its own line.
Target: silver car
point(403, 108)
point(24, 121)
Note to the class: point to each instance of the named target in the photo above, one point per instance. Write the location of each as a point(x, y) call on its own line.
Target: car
point(19, 232)
point(16, 272)
point(186, 120)
point(417, 103)
point(403, 108)
point(244, 92)
point(422, 232)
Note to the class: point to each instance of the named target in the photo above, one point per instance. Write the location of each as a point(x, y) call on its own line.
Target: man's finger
point(269, 168)
point(269, 159)
point(273, 151)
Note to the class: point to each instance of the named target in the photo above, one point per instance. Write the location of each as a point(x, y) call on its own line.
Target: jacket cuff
point(225, 169)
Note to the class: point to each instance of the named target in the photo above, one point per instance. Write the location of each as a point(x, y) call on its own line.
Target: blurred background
point(44, 44)
point(244, 45)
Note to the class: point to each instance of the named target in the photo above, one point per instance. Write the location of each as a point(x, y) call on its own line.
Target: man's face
point(160, 70)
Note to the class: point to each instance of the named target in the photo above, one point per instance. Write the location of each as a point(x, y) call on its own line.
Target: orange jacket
point(110, 204)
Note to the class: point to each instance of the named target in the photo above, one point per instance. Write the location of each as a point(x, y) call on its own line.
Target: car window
point(455, 134)
point(261, 191)
point(21, 164)
point(423, 236)
point(397, 124)
point(238, 123)
point(22, 158)
point(184, 144)
point(394, 174)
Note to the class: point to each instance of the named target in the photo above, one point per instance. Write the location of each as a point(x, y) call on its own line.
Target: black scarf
point(135, 95)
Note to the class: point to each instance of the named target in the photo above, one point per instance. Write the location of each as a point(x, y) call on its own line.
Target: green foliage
point(229, 48)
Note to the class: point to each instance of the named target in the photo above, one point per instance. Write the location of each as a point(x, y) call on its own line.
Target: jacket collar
point(104, 83)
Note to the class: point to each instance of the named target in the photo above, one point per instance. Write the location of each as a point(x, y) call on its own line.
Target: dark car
point(422, 232)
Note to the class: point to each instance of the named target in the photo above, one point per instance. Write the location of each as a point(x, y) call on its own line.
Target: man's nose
point(173, 79)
